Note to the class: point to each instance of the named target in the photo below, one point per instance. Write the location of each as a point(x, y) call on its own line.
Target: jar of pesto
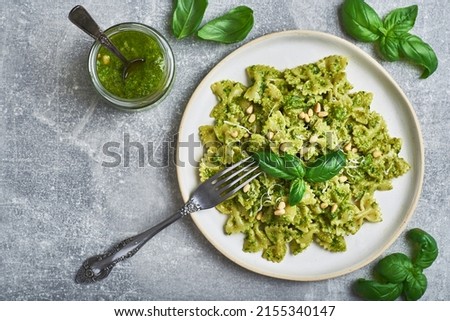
point(146, 84)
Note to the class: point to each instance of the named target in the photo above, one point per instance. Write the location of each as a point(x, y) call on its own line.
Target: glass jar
point(155, 91)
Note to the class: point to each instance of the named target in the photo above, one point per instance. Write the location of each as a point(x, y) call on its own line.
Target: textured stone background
point(58, 205)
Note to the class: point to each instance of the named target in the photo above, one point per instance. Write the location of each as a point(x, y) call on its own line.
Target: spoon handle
point(83, 20)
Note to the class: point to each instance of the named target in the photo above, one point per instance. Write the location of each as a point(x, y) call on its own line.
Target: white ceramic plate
point(286, 50)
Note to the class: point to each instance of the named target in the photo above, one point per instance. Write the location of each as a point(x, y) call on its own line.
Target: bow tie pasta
point(304, 111)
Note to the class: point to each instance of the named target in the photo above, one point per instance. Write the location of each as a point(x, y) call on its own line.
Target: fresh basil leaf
point(376, 291)
point(419, 52)
point(400, 20)
point(325, 167)
point(297, 190)
point(187, 16)
point(394, 268)
point(389, 47)
point(232, 27)
point(360, 20)
point(293, 165)
point(415, 285)
point(426, 249)
point(273, 165)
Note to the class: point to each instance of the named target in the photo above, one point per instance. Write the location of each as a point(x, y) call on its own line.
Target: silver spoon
point(83, 20)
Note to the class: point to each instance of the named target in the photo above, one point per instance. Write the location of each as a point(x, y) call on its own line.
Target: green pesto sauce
point(143, 80)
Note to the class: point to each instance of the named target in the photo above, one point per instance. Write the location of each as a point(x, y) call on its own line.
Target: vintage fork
point(210, 193)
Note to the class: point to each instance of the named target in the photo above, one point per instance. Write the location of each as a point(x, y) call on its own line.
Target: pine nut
point(322, 114)
point(281, 205)
point(310, 112)
point(343, 179)
point(348, 147)
point(252, 118)
point(246, 188)
point(307, 119)
point(279, 212)
point(234, 133)
point(284, 147)
point(318, 108)
point(270, 135)
point(323, 205)
point(376, 154)
point(249, 110)
point(258, 216)
point(334, 208)
point(302, 115)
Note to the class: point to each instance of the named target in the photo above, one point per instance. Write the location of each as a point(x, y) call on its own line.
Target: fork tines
point(230, 180)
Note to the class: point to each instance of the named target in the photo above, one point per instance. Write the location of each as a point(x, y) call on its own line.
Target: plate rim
point(420, 161)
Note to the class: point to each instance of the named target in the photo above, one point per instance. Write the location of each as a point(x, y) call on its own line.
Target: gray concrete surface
point(59, 205)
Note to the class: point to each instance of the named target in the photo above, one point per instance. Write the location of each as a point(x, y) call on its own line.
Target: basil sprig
point(398, 274)
point(285, 166)
point(394, 268)
point(390, 34)
point(231, 27)
point(290, 167)
point(325, 167)
point(401, 20)
point(187, 16)
point(426, 249)
point(361, 21)
point(376, 291)
point(297, 190)
point(414, 49)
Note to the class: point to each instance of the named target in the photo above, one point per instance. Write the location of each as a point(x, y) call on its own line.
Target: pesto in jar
point(142, 81)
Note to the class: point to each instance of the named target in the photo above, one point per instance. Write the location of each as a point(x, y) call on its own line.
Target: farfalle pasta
point(304, 111)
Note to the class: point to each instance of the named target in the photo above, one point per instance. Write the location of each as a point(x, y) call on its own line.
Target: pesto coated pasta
point(305, 111)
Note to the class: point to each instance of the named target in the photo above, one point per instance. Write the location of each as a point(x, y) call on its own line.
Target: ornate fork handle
point(98, 267)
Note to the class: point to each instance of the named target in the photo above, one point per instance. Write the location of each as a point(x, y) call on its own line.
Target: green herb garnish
point(425, 246)
point(394, 268)
point(325, 167)
point(187, 16)
point(376, 291)
point(290, 167)
point(414, 49)
point(231, 27)
point(399, 274)
point(296, 191)
point(391, 34)
point(361, 21)
point(278, 167)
